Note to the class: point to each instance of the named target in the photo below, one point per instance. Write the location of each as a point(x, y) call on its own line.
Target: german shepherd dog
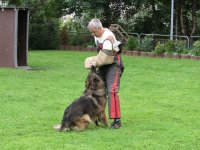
point(88, 108)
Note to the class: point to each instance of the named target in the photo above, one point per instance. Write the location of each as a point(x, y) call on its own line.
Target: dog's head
point(94, 81)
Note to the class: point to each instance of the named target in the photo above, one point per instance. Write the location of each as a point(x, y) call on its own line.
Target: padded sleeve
point(103, 59)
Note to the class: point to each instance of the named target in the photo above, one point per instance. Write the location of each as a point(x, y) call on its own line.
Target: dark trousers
point(112, 75)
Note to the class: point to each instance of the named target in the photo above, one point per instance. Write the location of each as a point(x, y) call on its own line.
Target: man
point(110, 66)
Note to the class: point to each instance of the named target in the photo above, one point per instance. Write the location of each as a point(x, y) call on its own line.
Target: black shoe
point(116, 124)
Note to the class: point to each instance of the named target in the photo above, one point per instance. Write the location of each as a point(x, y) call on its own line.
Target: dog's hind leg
point(82, 122)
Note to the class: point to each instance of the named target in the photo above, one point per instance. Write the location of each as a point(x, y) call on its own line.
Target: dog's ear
point(93, 69)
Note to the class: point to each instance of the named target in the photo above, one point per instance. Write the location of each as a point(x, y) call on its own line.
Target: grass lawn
point(160, 104)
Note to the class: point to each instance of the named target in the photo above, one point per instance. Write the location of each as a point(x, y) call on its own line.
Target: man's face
point(96, 32)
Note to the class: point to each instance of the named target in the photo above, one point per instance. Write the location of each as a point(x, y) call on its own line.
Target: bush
point(174, 47)
point(160, 48)
point(170, 47)
point(131, 44)
point(44, 35)
point(196, 48)
point(146, 44)
point(80, 39)
point(75, 40)
point(180, 47)
point(63, 35)
point(186, 51)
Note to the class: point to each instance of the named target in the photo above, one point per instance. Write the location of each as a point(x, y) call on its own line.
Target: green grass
point(160, 104)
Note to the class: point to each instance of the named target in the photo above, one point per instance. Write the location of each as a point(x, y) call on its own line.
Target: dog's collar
point(99, 92)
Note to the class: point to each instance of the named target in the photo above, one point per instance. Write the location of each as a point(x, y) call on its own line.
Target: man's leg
point(113, 82)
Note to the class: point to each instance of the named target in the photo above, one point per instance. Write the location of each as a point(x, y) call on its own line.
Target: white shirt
point(106, 43)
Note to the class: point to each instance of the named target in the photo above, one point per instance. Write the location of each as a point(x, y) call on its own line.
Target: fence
point(166, 37)
point(86, 39)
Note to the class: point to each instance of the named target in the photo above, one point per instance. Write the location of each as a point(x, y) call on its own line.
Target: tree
point(187, 18)
point(109, 11)
point(140, 16)
point(44, 24)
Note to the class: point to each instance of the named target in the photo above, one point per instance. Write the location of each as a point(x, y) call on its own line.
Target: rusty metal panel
point(8, 38)
point(13, 37)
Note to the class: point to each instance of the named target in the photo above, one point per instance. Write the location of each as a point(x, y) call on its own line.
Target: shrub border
point(134, 53)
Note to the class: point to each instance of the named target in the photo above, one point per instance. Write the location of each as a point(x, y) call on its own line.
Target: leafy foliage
point(170, 47)
point(146, 44)
point(180, 47)
point(196, 48)
point(132, 43)
point(63, 35)
point(160, 48)
point(142, 16)
point(44, 34)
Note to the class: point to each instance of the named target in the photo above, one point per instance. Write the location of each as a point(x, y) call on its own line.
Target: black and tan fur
point(90, 107)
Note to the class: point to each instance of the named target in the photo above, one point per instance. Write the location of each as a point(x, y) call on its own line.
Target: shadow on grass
point(32, 68)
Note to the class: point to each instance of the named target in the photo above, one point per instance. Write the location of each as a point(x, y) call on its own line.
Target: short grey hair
point(95, 24)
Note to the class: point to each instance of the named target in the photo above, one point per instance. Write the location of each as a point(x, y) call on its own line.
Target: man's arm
point(104, 57)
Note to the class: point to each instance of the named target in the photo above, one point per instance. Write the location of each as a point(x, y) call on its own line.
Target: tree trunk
point(194, 19)
point(154, 16)
point(107, 15)
point(181, 17)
